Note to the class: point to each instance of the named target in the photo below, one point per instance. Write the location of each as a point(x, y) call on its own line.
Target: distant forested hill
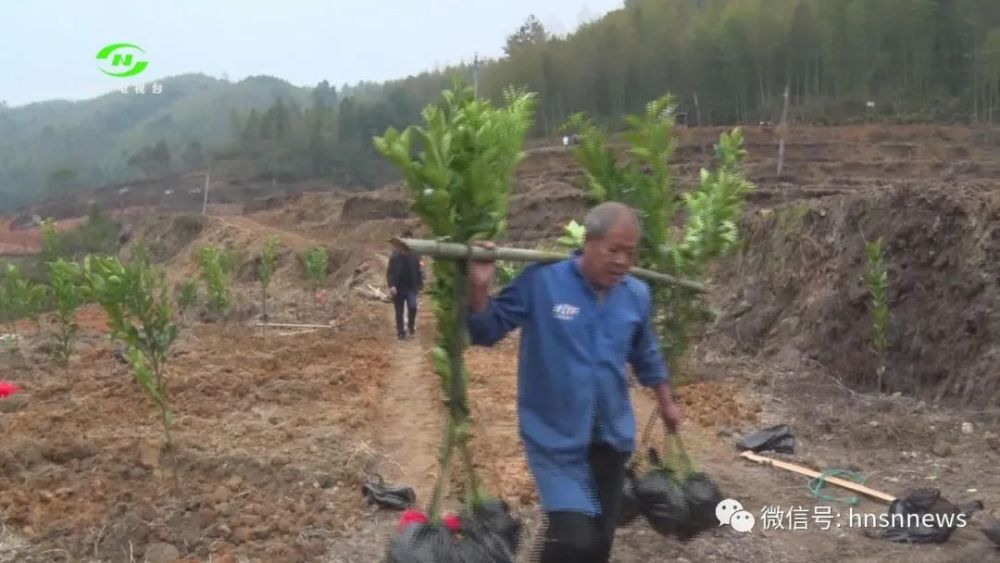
point(730, 60)
point(49, 147)
point(726, 61)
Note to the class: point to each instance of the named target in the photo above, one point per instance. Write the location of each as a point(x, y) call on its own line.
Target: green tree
point(50, 240)
point(531, 32)
point(460, 167)
point(711, 209)
point(215, 272)
point(990, 57)
point(187, 296)
point(61, 182)
point(194, 156)
point(265, 270)
point(161, 157)
point(19, 298)
point(67, 289)
point(151, 161)
point(317, 262)
point(134, 295)
point(876, 280)
point(804, 51)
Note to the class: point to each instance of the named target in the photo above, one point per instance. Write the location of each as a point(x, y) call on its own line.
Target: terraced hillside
point(276, 429)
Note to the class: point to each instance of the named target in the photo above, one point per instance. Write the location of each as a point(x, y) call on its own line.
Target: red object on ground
point(7, 389)
point(414, 516)
point(411, 516)
point(452, 522)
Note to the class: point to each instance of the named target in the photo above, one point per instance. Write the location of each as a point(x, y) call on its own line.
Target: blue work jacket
point(572, 381)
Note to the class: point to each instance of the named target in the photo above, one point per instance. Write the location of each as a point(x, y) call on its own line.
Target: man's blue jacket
point(572, 380)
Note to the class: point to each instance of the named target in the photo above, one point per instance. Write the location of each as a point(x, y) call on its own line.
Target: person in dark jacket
point(405, 279)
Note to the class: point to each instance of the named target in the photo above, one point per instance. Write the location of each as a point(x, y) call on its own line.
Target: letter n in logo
point(121, 60)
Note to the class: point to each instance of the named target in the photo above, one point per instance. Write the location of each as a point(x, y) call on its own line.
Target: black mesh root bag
point(702, 496)
point(661, 500)
point(422, 543)
point(674, 498)
point(487, 534)
point(494, 529)
point(629, 510)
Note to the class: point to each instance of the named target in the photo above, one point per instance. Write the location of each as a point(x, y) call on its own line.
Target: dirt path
point(410, 429)
point(410, 416)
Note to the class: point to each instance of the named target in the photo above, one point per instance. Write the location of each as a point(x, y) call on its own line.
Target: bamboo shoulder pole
point(455, 251)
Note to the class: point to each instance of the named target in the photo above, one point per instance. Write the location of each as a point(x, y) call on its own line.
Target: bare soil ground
point(276, 430)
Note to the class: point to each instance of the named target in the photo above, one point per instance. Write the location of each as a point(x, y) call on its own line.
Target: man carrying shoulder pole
point(581, 319)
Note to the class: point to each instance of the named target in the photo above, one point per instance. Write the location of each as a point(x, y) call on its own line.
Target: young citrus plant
point(50, 240)
point(187, 296)
point(876, 280)
point(459, 166)
point(265, 270)
point(711, 209)
point(19, 298)
point(215, 270)
point(317, 261)
point(135, 297)
point(67, 289)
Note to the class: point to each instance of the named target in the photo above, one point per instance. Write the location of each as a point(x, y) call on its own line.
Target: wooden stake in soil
point(204, 201)
point(455, 251)
point(782, 133)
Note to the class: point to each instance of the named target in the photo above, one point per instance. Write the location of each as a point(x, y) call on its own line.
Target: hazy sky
point(48, 49)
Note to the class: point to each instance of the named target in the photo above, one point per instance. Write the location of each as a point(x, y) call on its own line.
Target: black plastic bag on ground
point(776, 438)
point(992, 533)
point(922, 516)
point(375, 491)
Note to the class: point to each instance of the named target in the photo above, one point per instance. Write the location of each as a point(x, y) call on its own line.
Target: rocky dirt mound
point(388, 203)
point(798, 288)
point(165, 236)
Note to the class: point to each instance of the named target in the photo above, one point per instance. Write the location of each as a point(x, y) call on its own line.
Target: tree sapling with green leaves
point(135, 297)
point(317, 261)
point(214, 271)
point(68, 291)
point(19, 298)
point(460, 174)
point(876, 280)
point(645, 183)
point(572, 238)
point(187, 296)
point(50, 240)
point(265, 270)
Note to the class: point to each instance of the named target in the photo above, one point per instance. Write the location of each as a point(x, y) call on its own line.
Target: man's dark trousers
point(575, 537)
point(410, 299)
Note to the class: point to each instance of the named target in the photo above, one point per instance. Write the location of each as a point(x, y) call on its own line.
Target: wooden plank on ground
point(293, 325)
point(842, 483)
